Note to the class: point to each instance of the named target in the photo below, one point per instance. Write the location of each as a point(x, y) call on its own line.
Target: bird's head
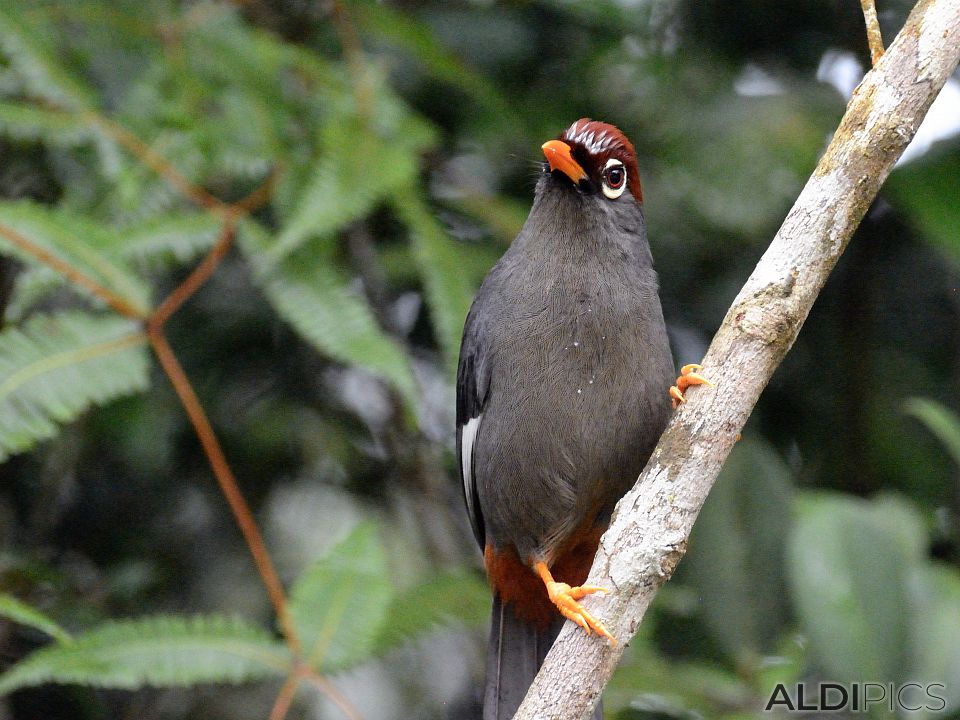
point(597, 159)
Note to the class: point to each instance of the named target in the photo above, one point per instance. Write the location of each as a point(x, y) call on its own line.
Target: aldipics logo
point(858, 697)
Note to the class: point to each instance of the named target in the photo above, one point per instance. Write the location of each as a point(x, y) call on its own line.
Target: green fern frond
point(56, 366)
point(400, 28)
point(35, 61)
point(340, 604)
point(24, 122)
point(459, 597)
point(31, 286)
point(163, 651)
point(323, 307)
point(357, 168)
point(449, 289)
point(224, 49)
point(169, 239)
point(78, 241)
point(19, 612)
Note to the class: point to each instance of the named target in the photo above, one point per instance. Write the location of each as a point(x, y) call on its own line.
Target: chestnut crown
point(605, 154)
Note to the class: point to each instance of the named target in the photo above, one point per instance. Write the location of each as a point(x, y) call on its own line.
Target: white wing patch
point(468, 436)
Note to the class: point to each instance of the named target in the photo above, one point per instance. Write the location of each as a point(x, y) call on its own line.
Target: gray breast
point(580, 370)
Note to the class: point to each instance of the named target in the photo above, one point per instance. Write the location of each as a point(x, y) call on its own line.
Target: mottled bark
point(648, 534)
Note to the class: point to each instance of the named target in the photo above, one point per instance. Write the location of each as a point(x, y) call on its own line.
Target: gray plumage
point(569, 324)
point(561, 393)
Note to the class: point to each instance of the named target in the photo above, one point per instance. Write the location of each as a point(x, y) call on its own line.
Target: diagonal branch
point(649, 530)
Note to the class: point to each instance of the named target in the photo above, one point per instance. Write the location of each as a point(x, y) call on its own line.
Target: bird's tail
point(514, 656)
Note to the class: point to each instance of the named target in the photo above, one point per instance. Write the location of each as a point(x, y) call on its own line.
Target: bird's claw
point(566, 597)
point(689, 375)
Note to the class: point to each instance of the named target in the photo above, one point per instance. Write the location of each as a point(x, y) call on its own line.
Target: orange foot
point(688, 376)
point(565, 598)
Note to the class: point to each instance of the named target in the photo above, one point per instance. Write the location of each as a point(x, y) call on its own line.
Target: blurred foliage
point(399, 142)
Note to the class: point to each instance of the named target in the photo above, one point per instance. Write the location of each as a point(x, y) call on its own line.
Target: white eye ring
point(611, 191)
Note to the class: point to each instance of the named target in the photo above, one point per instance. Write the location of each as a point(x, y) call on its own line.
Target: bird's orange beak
point(559, 158)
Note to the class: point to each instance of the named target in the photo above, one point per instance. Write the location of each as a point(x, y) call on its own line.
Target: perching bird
point(561, 396)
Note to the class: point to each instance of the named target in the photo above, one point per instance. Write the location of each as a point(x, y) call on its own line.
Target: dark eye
point(614, 179)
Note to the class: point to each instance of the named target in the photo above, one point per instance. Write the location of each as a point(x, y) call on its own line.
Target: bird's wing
point(473, 385)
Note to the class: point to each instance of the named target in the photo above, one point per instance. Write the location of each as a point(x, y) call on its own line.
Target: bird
point(563, 388)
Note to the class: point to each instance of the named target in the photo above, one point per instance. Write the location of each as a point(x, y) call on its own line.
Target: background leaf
point(357, 167)
point(77, 240)
point(169, 239)
point(326, 309)
point(36, 61)
point(339, 605)
point(935, 626)
point(926, 190)
point(457, 596)
point(19, 612)
point(22, 122)
point(56, 366)
point(737, 550)
point(449, 291)
point(156, 651)
point(850, 563)
point(940, 421)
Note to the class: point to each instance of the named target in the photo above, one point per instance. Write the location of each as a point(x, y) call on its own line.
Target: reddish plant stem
point(77, 277)
point(201, 273)
point(228, 483)
point(354, 55)
point(330, 690)
point(288, 691)
point(259, 197)
point(281, 706)
point(155, 161)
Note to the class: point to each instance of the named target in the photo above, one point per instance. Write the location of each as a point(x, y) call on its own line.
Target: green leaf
point(737, 548)
point(449, 291)
point(458, 596)
point(926, 191)
point(358, 167)
point(161, 651)
point(223, 48)
point(309, 292)
point(850, 562)
point(418, 39)
point(24, 122)
point(30, 54)
point(157, 242)
point(31, 286)
point(677, 689)
point(943, 423)
point(19, 612)
point(56, 366)
point(175, 238)
point(936, 630)
point(340, 604)
point(76, 240)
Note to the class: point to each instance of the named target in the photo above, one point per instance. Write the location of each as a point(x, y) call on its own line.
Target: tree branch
point(874, 38)
point(649, 530)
